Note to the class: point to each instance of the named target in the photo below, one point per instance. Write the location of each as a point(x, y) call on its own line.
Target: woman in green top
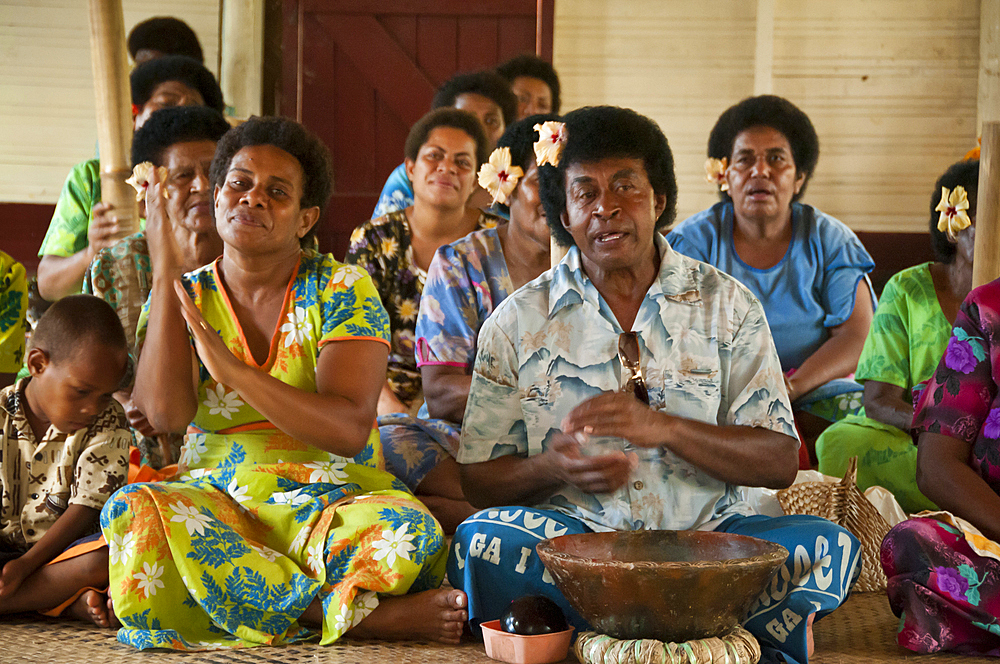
point(908, 336)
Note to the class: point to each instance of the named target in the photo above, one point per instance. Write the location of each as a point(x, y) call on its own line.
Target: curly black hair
point(75, 323)
point(176, 124)
point(166, 34)
point(532, 66)
point(447, 117)
point(486, 83)
point(768, 111)
point(149, 74)
point(520, 138)
point(962, 174)
point(601, 132)
point(293, 138)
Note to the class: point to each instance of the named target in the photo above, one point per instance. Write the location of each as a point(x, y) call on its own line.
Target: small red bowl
point(521, 649)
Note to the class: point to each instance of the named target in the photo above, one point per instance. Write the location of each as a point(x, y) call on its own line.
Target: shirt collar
point(676, 281)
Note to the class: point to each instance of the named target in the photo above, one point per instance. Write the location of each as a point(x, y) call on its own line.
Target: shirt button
point(38, 457)
point(637, 485)
point(30, 531)
point(34, 496)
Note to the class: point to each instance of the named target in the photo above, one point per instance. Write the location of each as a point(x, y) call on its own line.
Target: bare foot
point(433, 615)
point(810, 643)
point(91, 606)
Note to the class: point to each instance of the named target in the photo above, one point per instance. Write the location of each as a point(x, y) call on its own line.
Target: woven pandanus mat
point(33, 640)
point(863, 631)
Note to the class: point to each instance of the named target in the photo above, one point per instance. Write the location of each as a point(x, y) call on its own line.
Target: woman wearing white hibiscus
point(272, 359)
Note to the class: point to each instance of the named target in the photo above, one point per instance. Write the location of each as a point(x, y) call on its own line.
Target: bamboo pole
point(763, 73)
point(986, 265)
point(241, 71)
point(989, 61)
point(114, 103)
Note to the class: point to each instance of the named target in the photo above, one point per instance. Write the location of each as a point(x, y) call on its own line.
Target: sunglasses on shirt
point(628, 355)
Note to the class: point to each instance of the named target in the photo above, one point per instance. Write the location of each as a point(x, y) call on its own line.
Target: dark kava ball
point(531, 615)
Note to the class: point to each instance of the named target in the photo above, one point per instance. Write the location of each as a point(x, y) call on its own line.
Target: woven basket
point(844, 504)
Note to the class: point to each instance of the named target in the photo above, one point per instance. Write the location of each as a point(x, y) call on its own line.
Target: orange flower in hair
point(953, 208)
point(715, 172)
point(498, 177)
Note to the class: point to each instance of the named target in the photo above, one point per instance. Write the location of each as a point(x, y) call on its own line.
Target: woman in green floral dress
point(908, 336)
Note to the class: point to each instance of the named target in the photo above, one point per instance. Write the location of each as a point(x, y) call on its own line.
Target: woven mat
point(863, 631)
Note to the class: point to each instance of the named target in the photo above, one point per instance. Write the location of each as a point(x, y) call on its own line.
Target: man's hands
point(617, 414)
point(591, 474)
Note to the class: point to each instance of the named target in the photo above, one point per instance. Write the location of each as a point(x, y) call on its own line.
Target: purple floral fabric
point(947, 595)
point(962, 399)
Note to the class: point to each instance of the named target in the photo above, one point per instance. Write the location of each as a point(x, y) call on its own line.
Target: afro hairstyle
point(293, 138)
point(166, 34)
point(447, 117)
point(602, 132)
point(75, 323)
point(520, 139)
point(768, 111)
point(177, 124)
point(963, 174)
point(532, 66)
point(486, 83)
point(149, 74)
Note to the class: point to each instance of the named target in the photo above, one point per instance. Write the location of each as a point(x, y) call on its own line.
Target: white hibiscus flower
point(189, 515)
point(194, 447)
point(221, 402)
point(268, 554)
point(149, 578)
point(347, 275)
point(299, 541)
point(198, 472)
point(344, 620)
point(239, 493)
point(364, 604)
point(314, 558)
point(327, 471)
point(297, 327)
point(120, 548)
point(394, 544)
point(293, 498)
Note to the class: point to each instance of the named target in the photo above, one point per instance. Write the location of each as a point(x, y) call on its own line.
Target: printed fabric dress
point(466, 280)
point(908, 336)
point(13, 312)
point(943, 587)
point(382, 247)
point(259, 524)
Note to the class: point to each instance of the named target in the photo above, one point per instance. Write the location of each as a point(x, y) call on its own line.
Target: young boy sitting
point(63, 452)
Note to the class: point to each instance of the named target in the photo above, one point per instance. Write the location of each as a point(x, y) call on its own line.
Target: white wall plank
point(46, 91)
point(891, 86)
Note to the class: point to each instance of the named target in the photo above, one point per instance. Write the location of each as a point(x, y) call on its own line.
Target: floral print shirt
point(706, 354)
point(382, 247)
point(13, 312)
point(40, 479)
point(962, 399)
point(466, 281)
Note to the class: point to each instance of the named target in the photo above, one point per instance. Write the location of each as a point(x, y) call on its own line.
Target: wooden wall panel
point(890, 85)
point(47, 105)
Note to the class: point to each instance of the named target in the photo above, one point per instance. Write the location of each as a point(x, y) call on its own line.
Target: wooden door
point(359, 73)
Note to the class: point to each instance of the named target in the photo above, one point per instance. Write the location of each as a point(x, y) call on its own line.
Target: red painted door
point(359, 73)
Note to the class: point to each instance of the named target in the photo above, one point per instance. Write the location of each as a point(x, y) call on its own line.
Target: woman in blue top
point(808, 269)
